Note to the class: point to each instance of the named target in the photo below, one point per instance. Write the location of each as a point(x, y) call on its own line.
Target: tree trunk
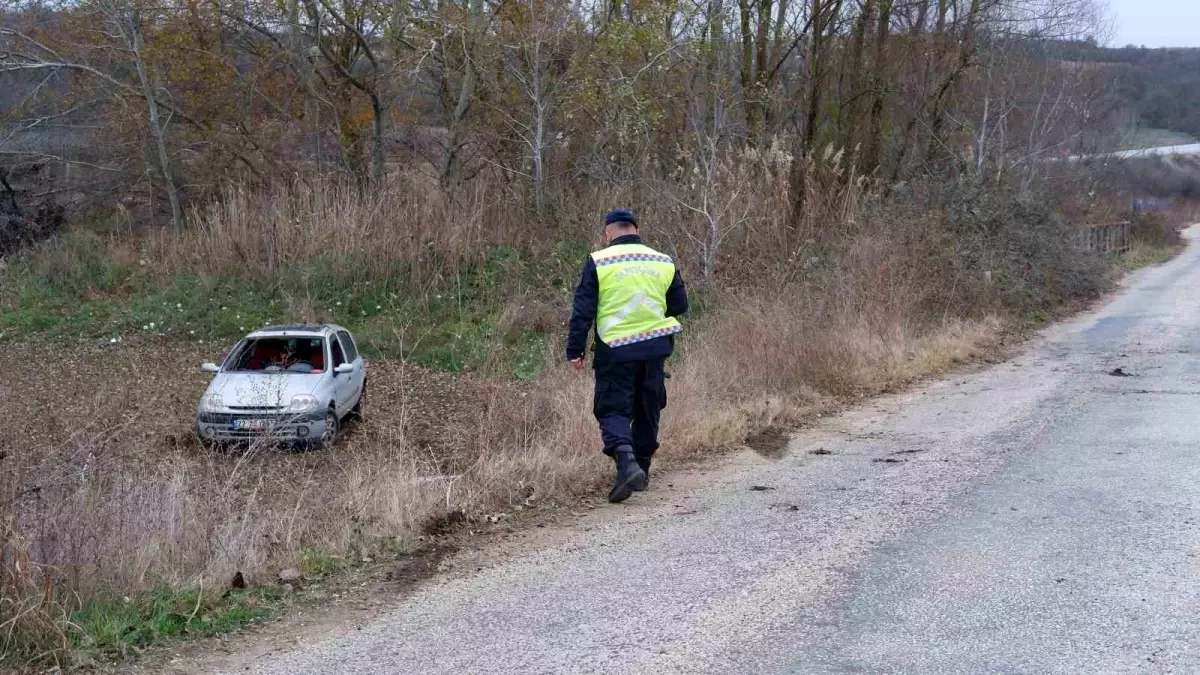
point(874, 144)
point(465, 94)
point(538, 152)
point(966, 50)
point(377, 164)
point(541, 105)
point(298, 44)
point(777, 54)
point(851, 95)
point(815, 67)
point(802, 162)
point(131, 23)
point(780, 22)
point(400, 12)
point(745, 9)
point(714, 44)
point(918, 26)
point(761, 50)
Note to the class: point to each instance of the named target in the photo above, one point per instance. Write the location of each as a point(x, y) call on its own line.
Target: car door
point(358, 377)
point(343, 384)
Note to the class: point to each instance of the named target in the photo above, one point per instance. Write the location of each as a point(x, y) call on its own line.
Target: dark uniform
point(630, 387)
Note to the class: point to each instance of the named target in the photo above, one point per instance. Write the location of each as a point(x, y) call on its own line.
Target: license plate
point(250, 425)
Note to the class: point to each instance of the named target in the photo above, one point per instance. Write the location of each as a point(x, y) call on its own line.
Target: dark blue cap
point(620, 216)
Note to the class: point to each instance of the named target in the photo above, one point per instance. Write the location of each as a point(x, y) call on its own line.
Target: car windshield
point(280, 354)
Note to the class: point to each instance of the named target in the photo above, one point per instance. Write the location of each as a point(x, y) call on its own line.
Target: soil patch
point(771, 443)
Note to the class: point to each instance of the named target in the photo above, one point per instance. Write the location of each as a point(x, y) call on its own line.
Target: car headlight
point(304, 403)
point(212, 403)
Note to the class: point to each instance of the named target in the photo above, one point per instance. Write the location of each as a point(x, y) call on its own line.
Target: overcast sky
point(1157, 23)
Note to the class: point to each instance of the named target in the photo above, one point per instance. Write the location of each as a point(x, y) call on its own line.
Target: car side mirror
point(344, 368)
point(210, 368)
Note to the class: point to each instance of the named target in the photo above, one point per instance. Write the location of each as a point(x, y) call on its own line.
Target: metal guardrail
point(1106, 238)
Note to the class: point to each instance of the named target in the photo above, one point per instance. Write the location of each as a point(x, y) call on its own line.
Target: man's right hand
point(579, 363)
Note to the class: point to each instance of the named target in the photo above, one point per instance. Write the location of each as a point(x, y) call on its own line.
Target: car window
point(348, 345)
point(225, 355)
point(338, 358)
point(278, 354)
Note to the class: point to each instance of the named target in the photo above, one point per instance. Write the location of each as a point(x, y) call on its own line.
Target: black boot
point(629, 474)
point(644, 465)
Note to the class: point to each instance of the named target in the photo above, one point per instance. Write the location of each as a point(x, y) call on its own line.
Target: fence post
point(1107, 237)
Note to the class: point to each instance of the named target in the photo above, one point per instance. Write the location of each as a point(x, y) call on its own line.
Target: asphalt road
point(1161, 151)
point(1042, 515)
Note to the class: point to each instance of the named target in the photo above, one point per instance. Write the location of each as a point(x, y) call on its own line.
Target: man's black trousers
point(630, 396)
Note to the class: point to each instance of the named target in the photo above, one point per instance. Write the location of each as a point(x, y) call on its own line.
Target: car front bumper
point(238, 427)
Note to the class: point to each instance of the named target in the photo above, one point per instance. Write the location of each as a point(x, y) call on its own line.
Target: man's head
point(619, 223)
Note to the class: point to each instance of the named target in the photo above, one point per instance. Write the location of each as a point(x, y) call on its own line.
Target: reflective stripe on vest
point(633, 294)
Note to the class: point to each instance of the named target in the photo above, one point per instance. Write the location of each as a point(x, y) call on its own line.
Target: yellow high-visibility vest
point(633, 294)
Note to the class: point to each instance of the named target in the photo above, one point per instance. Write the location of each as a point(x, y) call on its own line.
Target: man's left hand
point(579, 363)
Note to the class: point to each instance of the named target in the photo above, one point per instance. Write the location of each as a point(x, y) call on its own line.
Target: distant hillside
point(1165, 82)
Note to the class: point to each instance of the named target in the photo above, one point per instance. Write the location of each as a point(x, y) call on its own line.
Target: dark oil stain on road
point(771, 443)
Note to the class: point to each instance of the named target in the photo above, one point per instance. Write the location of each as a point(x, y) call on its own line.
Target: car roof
point(297, 330)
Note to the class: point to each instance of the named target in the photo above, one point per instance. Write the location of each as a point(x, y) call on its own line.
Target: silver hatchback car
point(290, 384)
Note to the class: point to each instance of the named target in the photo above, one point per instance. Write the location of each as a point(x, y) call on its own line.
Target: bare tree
point(127, 19)
point(456, 124)
point(346, 38)
point(709, 192)
point(537, 56)
point(902, 88)
point(823, 17)
point(33, 55)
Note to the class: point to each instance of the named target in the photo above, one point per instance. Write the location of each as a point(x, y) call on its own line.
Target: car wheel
point(333, 428)
point(211, 444)
point(206, 443)
point(357, 410)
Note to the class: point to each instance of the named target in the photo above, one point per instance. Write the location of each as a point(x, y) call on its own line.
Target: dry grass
point(1143, 254)
point(108, 489)
point(406, 227)
point(118, 493)
point(35, 612)
point(131, 502)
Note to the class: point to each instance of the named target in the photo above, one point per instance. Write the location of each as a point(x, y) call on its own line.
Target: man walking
point(631, 293)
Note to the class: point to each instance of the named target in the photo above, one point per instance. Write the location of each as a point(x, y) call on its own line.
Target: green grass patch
point(316, 564)
point(1039, 316)
point(109, 626)
point(113, 626)
point(1145, 137)
point(1142, 254)
point(78, 287)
